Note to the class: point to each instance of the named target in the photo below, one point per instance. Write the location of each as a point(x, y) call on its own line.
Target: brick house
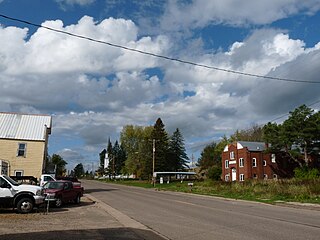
point(248, 160)
point(24, 143)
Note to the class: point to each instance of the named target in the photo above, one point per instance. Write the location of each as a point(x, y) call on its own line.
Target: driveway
point(88, 220)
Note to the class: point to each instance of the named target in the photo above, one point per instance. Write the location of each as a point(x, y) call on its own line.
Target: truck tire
point(58, 202)
point(25, 205)
point(77, 199)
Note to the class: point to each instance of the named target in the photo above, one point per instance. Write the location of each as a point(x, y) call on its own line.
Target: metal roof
point(24, 126)
point(253, 146)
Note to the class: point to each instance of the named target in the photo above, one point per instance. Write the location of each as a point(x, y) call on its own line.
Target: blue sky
point(93, 90)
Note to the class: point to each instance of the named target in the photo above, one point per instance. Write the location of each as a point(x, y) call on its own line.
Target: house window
point(241, 162)
point(265, 176)
point(273, 158)
point(254, 162)
point(231, 155)
point(18, 173)
point(254, 176)
point(264, 163)
point(241, 177)
point(22, 149)
point(275, 176)
point(226, 178)
point(226, 164)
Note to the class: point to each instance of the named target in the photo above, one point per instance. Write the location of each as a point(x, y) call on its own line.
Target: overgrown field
point(292, 190)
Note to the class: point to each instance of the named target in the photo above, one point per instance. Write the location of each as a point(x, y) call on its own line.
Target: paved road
point(187, 216)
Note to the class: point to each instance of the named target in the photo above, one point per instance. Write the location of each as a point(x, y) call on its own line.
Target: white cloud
point(93, 90)
point(73, 2)
point(200, 13)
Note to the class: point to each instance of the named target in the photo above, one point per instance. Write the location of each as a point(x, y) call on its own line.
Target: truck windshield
point(10, 180)
point(53, 185)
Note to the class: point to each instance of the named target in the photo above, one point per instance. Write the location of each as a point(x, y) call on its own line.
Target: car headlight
point(38, 192)
point(50, 195)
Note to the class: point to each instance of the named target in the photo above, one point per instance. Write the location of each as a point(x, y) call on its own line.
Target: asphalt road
point(188, 216)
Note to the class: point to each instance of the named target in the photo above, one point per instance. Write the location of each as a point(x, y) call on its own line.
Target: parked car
point(62, 191)
point(74, 180)
point(22, 197)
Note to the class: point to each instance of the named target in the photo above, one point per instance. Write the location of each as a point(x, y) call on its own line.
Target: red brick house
point(247, 160)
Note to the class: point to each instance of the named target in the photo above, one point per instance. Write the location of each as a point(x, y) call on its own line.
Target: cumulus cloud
point(200, 13)
point(93, 90)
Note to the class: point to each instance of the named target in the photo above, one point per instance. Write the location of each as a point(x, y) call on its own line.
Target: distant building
point(248, 160)
point(24, 143)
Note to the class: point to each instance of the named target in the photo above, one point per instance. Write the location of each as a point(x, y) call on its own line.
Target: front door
point(234, 174)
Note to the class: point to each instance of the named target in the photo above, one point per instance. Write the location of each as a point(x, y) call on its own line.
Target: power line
point(287, 114)
point(158, 55)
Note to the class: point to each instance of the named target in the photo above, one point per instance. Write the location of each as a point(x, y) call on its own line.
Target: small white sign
point(161, 180)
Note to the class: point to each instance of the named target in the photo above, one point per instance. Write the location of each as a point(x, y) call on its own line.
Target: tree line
point(144, 149)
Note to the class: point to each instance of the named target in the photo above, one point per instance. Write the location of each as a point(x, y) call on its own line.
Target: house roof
point(252, 146)
point(24, 126)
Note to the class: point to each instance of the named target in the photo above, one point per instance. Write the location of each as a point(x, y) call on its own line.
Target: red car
point(62, 191)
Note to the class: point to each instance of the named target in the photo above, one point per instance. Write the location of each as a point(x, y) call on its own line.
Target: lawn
point(306, 191)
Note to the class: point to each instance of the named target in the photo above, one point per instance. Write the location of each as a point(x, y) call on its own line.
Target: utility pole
point(192, 158)
point(113, 167)
point(153, 161)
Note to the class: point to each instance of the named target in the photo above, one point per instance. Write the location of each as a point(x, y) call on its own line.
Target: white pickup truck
point(22, 197)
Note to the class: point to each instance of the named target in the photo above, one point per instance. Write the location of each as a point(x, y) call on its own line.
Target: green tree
point(109, 169)
point(252, 134)
point(177, 156)
point(210, 159)
point(299, 131)
point(161, 146)
point(78, 170)
point(137, 145)
point(59, 163)
point(119, 157)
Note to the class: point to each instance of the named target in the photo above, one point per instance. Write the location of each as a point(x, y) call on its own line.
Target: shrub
point(305, 173)
point(214, 173)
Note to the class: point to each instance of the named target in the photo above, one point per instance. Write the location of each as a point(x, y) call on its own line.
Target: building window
point(18, 173)
point(265, 176)
point(22, 149)
point(241, 177)
point(275, 176)
point(226, 178)
point(231, 155)
point(226, 164)
point(254, 176)
point(264, 163)
point(273, 158)
point(241, 162)
point(254, 162)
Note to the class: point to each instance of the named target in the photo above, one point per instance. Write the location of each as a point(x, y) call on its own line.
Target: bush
point(306, 173)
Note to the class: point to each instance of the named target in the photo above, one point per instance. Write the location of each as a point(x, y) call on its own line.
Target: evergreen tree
point(177, 158)
point(161, 146)
point(299, 132)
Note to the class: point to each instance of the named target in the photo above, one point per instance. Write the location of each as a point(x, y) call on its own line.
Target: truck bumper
point(39, 200)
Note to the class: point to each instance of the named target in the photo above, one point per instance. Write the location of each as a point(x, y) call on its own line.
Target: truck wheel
point(77, 199)
point(58, 202)
point(25, 205)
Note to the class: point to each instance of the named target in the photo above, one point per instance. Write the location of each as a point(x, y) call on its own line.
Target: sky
point(92, 89)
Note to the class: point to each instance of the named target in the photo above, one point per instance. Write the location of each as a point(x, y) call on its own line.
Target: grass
point(292, 190)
